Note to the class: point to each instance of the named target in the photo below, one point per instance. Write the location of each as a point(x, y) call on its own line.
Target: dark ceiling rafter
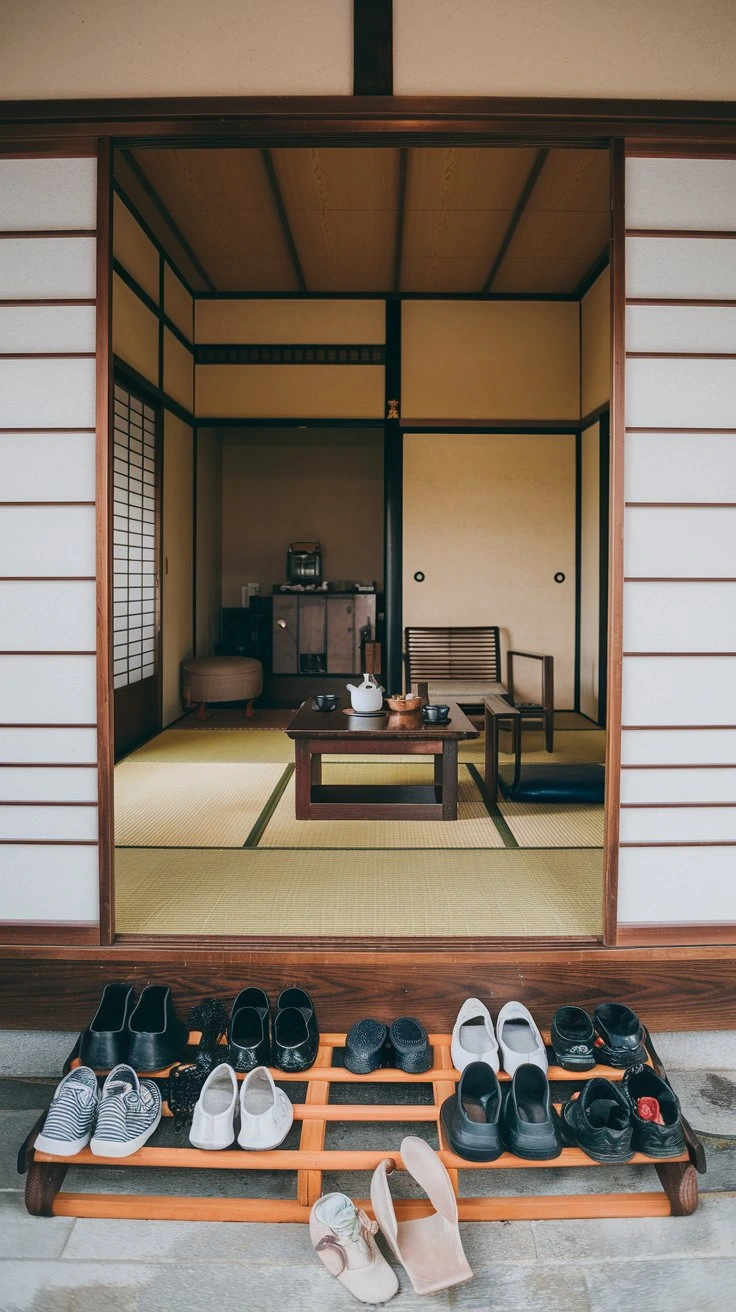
point(173, 227)
point(522, 203)
point(594, 272)
point(278, 201)
point(400, 213)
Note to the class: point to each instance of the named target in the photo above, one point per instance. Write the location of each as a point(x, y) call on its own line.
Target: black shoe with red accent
point(655, 1113)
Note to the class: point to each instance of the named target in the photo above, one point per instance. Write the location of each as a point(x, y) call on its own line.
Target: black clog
point(249, 1030)
point(410, 1043)
point(529, 1123)
point(295, 1031)
point(104, 1043)
point(619, 1036)
point(156, 1036)
point(367, 1047)
point(599, 1122)
point(651, 1100)
point(471, 1117)
point(572, 1038)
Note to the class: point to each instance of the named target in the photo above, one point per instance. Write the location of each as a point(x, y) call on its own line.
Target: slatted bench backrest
point(452, 653)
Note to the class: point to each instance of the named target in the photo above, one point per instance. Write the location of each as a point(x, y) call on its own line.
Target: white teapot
point(366, 696)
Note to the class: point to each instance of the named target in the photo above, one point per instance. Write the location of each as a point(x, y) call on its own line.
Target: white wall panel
point(678, 747)
point(676, 885)
point(46, 194)
point(58, 824)
point(709, 328)
point(50, 268)
point(680, 786)
point(47, 540)
point(47, 690)
point(683, 393)
point(681, 467)
point(679, 690)
point(681, 193)
point(51, 784)
point(55, 746)
point(679, 824)
point(47, 466)
point(47, 393)
point(49, 883)
point(47, 327)
point(670, 542)
point(680, 617)
point(676, 267)
point(48, 616)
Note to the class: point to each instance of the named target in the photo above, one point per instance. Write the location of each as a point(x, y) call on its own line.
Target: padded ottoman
point(221, 679)
point(585, 782)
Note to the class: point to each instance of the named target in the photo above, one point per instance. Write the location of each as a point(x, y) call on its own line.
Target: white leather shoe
point(266, 1115)
point(214, 1114)
point(519, 1038)
point(344, 1240)
point(473, 1038)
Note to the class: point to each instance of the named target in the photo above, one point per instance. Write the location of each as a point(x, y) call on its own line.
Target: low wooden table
point(317, 733)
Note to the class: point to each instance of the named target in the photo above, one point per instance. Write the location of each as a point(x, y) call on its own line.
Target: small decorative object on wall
point(393, 409)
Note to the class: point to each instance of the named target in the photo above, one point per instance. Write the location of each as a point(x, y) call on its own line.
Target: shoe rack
point(678, 1178)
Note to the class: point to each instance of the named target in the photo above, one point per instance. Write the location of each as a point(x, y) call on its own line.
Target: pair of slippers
point(370, 1045)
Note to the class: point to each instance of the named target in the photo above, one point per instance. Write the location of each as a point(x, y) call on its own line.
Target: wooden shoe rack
point(678, 1195)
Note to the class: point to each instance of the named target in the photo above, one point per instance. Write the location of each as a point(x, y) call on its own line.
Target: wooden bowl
point(404, 705)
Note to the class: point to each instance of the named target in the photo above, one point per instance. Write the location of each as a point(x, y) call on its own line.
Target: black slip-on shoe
point(156, 1036)
point(530, 1125)
point(471, 1117)
point(619, 1036)
point(410, 1043)
point(105, 1042)
point(367, 1047)
point(572, 1038)
point(599, 1121)
point(651, 1101)
point(249, 1031)
point(295, 1031)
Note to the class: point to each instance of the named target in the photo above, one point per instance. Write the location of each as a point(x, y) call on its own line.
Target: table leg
point(490, 751)
point(303, 778)
point(449, 779)
point(315, 769)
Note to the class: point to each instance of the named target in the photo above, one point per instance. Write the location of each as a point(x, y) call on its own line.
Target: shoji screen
point(48, 776)
point(678, 793)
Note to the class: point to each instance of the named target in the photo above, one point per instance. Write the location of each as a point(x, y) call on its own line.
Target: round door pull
point(419, 577)
point(559, 577)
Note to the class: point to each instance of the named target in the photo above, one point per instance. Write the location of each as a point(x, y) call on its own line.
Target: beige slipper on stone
point(344, 1240)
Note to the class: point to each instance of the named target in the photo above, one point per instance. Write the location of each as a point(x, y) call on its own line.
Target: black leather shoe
point(471, 1117)
point(367, 1047)
point(572, 1039)
point(295, 1031)
point(599, 1122)
point(105, 1042)
point(619, 1036)
point(410, 1043)
point(156, 1036)
point(649, 1096)
point(529, 1123)
point(249, 1031)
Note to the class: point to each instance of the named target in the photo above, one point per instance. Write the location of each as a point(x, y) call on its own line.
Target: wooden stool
point(221, 679)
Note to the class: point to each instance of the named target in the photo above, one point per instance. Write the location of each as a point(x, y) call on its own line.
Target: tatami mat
point(190, 805)
point(535, 824)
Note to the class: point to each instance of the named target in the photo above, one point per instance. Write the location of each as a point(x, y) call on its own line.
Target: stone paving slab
point(708, 1099)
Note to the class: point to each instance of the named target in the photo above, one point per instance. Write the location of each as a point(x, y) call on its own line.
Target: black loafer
point(249, 1031)
point(105, 1041)
point(367, 1047)
point(295, 1031)
point(156, 1036)
point(619, 1036)
point(572, 1039)
point(471, 1117)
point(599, 1122)
point(410, 1043)
point(530, 1125)
point(649, 1096)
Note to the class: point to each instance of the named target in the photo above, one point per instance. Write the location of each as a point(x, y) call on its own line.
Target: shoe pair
point(516, 1041)
point(114, 1124)
point(291, 1043)
point(614, 1037)
point(146, 1035)
point(370, 1045)
point(611, 1122)
point(266, 1115)
point(478, 1122)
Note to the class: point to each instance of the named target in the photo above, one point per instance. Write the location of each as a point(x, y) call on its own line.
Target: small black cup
point(325, 701)
point(435, 714)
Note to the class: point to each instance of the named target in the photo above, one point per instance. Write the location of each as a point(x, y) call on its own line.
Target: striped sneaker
point(129, 1112)
point(71, 1116)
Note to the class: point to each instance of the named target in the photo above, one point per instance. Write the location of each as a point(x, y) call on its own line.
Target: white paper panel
point(47, 194)
point(676, 885)
point(49, 883)
point(678, 747)
point(52, 745)
point(681, 267)
point(47, 690)
point(670, 542)
point(681, 193)
point(680, 616)
point(683, 393)
point(681, 466)
point(708, 328)
point(679, 824)
point(47, 466)
point(48, 784)
point(679, 690)
point(76, 824)
point(678, 786)
point(47, 540)
point(47, 616)
point(47, 327)
point(50, 268)
point(47, 393)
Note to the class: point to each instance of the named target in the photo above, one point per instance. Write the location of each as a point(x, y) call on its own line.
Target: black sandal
point(366, 1047)
point(410, 1043)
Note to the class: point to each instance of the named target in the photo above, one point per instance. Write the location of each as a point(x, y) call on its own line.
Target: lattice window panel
point(134, 539)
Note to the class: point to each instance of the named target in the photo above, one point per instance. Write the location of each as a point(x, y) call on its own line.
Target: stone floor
point(673, 1264)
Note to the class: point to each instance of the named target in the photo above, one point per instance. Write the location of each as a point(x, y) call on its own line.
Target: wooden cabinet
point(315, 633)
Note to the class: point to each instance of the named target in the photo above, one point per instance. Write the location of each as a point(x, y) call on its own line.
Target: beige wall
point(208, 492)
point(286, 391)
point(178, 559)
point(496, 360)
point(287, 485)
point(290, 321)
point(595, 344)
point(589, 571)
point(134, 331)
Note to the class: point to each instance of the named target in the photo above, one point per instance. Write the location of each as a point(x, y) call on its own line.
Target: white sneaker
point(71, 1117)
point(266, 1115)
point(129, 1112)
point(214, 1114)
point(473, 1038)
point(519, 1038)
point(344, 1240)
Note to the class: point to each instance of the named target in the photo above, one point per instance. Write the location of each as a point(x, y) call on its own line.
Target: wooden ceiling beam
point(173, 227)
point(400, 213)
point(278, 201)
point(521, 205)
point(594, 272)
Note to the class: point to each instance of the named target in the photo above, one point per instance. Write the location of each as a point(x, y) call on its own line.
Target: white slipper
point(214, 1114)
point(519, 1038)
point(266, 1115)
point(473, 1038)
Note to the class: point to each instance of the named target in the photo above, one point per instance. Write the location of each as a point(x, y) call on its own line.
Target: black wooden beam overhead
point(594, 272)
point(278, 201)
point(373, 48)
point(529, 186)
point(400, 210)
point(173, 227)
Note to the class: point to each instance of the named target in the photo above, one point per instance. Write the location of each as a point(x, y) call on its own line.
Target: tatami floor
point(207, 843)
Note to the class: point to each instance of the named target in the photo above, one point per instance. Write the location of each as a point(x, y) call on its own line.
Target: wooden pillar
point(393, 496)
